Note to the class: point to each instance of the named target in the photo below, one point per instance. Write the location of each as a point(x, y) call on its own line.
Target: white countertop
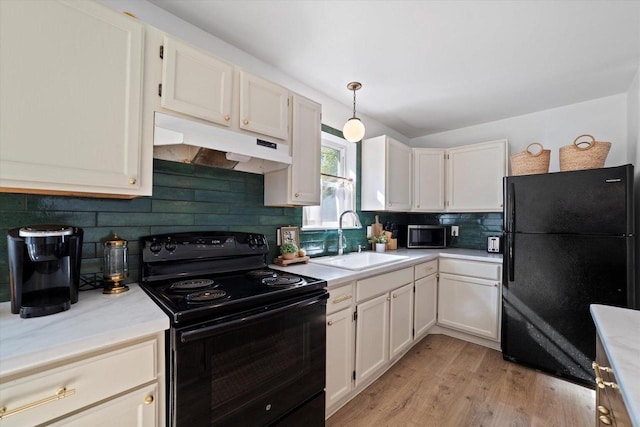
point(338, 276)
point(95, 321)
point(619, 330)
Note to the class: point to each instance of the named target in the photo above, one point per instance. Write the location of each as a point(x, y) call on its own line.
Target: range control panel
point(197, 245)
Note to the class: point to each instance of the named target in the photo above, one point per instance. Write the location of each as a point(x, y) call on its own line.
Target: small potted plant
point(289, 250)
point(380, 242)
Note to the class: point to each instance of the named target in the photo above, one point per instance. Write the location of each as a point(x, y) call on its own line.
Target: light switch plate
point(455, 230)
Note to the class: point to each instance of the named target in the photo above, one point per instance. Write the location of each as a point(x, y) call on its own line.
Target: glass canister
point(115, 268)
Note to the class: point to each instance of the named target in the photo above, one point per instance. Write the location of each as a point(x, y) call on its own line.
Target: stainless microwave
point(426, 236)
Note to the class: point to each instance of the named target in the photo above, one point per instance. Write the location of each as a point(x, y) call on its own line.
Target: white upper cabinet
point(71, 103)
point(460, 179)
point(474, 177)
point(386, 175)
point(299, 184)
point(264, 107)
point(428, 180)
point(196, 83)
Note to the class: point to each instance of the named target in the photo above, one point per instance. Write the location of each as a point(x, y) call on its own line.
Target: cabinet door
point(339, 355)
point(373, 171)
point(401, 320)
point(264, 107)
point(469, 304)
point(71, 85)
point(425, 304)
point(610, 406)
point(305, 152)
point(196, 83)
point(136, 409)
point(398, 176)
point(428, 180)
point(372, 337)
point(474, 177)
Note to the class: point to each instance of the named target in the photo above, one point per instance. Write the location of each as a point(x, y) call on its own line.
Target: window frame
point(348, 152)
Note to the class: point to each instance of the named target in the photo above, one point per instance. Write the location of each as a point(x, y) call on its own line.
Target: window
point(337, 185)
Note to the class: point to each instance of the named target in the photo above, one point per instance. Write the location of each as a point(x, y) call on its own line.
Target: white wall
point(334, 114)
point(633, 121)
point(604, 118)
point(633, 126)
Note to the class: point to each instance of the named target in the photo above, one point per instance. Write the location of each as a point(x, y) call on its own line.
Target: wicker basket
point(528, 163)
point(577, 156)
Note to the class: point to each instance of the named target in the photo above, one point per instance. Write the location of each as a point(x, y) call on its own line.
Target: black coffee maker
point(44, 268)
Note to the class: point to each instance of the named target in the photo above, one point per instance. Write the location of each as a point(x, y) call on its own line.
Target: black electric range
point(200, 276)
point(247, 343)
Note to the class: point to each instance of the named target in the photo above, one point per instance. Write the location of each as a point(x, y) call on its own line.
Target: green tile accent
point(12, 202)
point(185, 198)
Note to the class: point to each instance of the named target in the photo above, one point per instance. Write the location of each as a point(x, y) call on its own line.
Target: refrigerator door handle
point(511, 199)
point(510, 256)
point(511, 231)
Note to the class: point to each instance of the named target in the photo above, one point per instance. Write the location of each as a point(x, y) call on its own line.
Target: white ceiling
point(431, 66)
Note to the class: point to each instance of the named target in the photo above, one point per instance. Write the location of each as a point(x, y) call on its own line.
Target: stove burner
point(205, 296)
point(282, 281)
point(190, 284)
point(261, 274)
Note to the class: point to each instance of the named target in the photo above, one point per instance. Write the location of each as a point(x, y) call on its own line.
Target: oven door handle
point(190, 336)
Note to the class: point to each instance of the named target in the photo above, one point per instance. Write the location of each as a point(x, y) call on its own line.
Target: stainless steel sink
point(358, 261)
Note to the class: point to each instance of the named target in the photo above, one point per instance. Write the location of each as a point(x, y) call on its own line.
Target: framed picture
point(290, 235)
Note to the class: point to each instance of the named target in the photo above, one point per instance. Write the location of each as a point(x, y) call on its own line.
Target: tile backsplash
point(185, 198)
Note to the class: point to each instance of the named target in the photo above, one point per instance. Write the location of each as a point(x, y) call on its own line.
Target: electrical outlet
point(455, 230)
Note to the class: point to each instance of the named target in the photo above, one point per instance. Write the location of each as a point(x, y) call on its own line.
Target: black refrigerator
point(568, 243)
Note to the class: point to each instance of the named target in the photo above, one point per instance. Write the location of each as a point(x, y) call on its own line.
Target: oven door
point(252, 369)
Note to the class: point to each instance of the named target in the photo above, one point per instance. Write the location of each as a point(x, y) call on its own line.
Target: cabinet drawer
point(340, 298)
point(86, 381)
point(425, 269)
point(378, 285)
point(138, 408)
point(483, 270)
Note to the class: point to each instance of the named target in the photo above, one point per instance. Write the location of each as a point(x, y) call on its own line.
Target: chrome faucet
point(358, 224)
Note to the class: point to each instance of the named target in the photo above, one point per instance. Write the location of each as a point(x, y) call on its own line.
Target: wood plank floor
point(443, 381)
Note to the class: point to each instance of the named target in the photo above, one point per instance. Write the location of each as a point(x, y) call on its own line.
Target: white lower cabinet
point(400, 320)
point(136, 409)
point(426, 297)
point(394, 310)
point(340, 344)
point(122, 385)
point(384, 322)
point(469, 297)
point(372, 337)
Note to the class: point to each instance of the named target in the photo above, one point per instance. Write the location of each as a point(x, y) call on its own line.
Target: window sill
point(311, 228)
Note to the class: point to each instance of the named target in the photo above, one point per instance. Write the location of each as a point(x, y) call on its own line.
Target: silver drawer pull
point(342, 298)
point(60, 394)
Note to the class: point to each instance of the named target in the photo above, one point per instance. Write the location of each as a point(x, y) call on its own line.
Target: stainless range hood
point(187, 141)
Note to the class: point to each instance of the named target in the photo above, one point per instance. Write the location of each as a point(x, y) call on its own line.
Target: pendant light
point(353, 130)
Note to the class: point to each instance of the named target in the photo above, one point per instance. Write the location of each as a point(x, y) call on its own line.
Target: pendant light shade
point(353, 130)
